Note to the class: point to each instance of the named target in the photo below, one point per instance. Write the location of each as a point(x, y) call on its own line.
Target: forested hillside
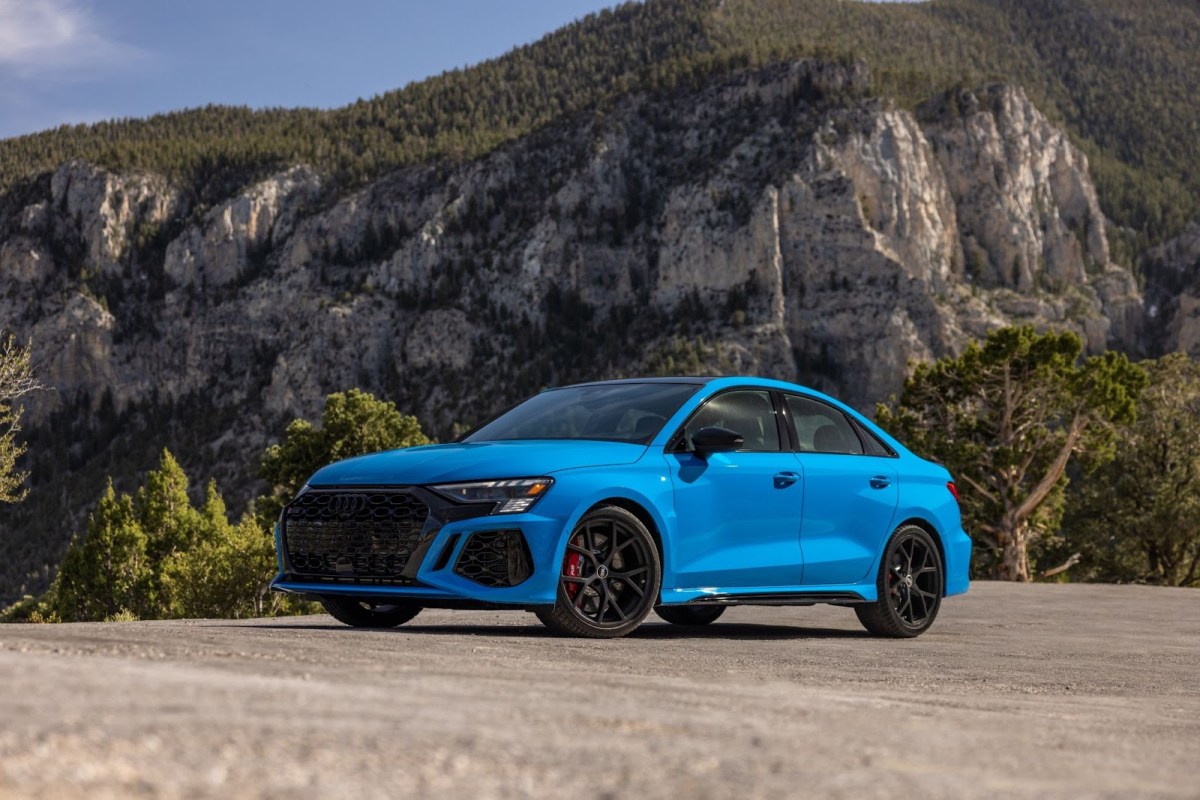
point(1121, 76)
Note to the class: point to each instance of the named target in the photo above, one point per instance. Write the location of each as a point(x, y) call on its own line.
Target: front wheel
point(910, 586)
point(609, 579)
point(366, 614)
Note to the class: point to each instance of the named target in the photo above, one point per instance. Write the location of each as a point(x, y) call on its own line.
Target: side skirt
point(779, 599)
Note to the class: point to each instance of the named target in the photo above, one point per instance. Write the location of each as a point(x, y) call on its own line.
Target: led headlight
point(510, 496)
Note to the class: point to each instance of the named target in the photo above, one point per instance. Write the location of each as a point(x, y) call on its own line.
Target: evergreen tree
point(1007, 417)
point(108, 573)
point(1138, 517)
point(353, 423)
point(155, 555)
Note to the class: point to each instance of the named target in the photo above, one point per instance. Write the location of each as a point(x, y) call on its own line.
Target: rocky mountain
point(780, 221)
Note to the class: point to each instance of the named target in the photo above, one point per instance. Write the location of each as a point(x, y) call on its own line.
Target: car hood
point(440, 463)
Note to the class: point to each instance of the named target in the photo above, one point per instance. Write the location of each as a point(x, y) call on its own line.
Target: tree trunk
point(1014, 552)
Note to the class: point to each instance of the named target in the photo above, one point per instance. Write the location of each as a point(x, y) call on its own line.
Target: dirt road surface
point(1017, 691)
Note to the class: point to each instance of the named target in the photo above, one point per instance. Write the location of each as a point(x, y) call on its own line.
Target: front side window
point(750, 413)
point(821, 428)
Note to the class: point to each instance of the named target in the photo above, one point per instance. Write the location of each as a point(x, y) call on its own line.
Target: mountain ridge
point(1118, 78)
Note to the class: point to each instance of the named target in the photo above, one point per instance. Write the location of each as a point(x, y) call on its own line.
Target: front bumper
point(449, 565)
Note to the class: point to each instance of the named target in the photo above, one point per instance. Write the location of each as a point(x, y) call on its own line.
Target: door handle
point(881, 482)
point(785, 479)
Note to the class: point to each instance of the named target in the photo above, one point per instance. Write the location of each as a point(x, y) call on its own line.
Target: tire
point(609, 578)
point(690, 615)
point(910, 586)
point(364, 614)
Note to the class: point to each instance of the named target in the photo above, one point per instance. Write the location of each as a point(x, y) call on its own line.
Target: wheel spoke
point(601, 602)
point(615, 604)
point(613, 547)
point(928, 600)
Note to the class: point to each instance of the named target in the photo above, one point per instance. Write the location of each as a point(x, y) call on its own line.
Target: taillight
point(953, 489)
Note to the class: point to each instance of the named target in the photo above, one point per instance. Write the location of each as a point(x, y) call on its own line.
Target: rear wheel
point(368, 614)
point(690, 615)
point(609, 579)
point(910, 586)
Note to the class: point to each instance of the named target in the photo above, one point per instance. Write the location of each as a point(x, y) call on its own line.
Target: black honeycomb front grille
point(348, 535)
point(495, 558)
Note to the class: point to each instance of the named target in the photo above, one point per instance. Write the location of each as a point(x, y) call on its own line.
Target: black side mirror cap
point(716, 440)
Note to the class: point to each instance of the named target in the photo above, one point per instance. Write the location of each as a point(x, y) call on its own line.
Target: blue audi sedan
point(593, 505)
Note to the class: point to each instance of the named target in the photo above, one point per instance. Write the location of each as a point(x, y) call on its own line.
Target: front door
point(738, 513)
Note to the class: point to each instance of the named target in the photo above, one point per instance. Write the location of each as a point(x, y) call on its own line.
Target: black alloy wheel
point(690, 615)
point(369, 614)
point(609, 579)
point(910, 586)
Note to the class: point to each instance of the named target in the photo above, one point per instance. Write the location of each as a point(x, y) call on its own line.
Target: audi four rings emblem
point(347, 503)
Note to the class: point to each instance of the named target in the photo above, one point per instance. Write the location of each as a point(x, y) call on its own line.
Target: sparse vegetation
point(16, 381)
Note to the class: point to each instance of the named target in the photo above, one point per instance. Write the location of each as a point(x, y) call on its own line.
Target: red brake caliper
point(572, 567)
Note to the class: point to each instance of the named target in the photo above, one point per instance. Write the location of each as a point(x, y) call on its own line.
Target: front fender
point(642, 484)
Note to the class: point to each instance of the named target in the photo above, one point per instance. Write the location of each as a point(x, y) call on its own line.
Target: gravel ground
point(1017, 691)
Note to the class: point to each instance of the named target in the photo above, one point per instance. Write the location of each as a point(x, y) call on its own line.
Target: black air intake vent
point(495, 558)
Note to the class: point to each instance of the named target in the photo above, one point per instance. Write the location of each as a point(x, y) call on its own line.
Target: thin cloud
point(39, 36)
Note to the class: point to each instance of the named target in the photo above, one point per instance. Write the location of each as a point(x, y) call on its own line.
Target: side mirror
point(716, 440)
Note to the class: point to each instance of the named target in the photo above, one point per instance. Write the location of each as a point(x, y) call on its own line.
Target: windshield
point(622, 412)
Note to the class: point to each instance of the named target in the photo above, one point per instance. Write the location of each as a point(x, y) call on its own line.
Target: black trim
point(447, 603)
point(335, 581)
point(447, 551)
point(789, 424)
point(778, 599)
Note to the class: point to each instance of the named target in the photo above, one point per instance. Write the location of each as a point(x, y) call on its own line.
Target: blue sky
point(69, 61)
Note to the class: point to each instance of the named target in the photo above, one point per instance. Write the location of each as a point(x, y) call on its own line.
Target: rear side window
point(750, 413)
point(821, 428)
point(871, 442)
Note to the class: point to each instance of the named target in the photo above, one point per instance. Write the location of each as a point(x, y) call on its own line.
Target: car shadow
point(738, 631)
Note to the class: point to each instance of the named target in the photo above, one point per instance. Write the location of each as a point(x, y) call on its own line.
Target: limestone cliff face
point(221, 249)
point(105, 209)
point(777, 222)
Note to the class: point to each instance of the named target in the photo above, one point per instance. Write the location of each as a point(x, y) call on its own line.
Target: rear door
point(738, 513)
point(851, 492)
